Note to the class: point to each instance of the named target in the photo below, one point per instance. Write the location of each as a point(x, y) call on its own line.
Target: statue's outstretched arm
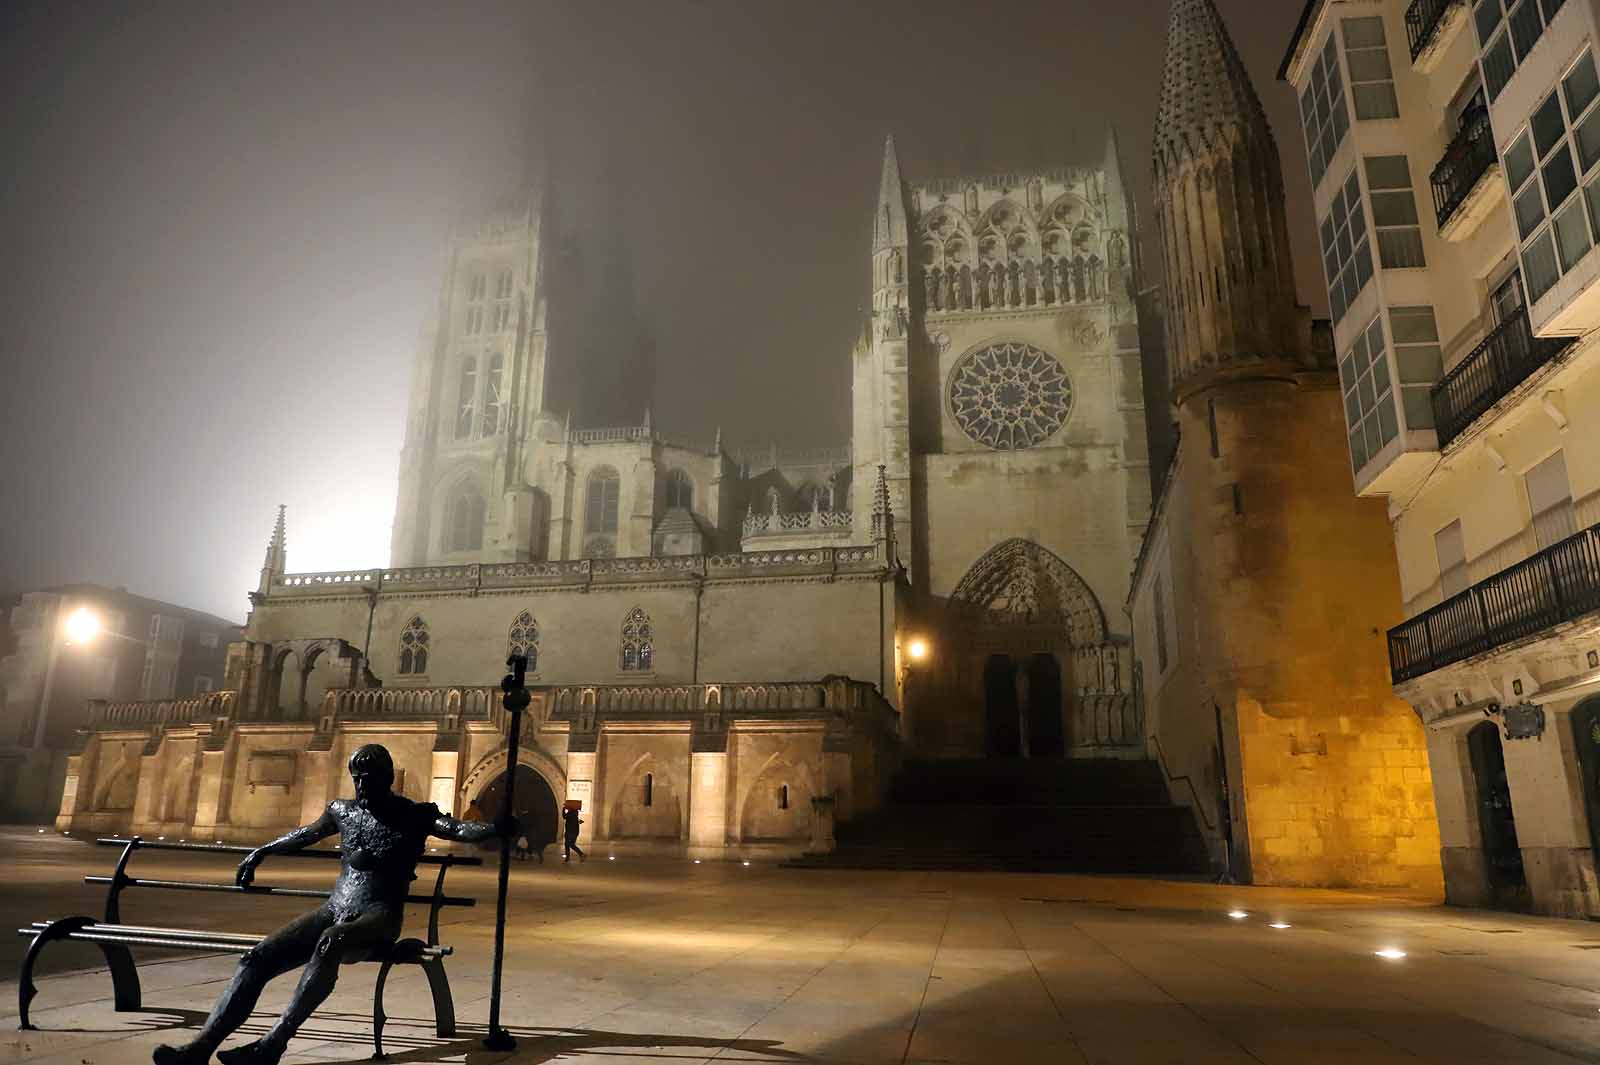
point(447, 827)
point(299, 839)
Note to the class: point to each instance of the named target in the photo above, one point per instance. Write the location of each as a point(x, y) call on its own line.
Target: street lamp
point(918, 649)
point(82, 626)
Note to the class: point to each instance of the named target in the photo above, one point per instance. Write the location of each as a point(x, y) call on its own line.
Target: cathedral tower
point(1264, 585)
point(1231, 310)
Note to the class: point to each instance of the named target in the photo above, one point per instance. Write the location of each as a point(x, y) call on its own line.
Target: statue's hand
point(247, 868)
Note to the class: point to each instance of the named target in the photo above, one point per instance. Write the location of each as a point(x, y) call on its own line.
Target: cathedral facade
point(728, 648)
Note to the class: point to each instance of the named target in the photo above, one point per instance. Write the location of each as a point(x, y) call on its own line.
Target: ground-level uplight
point(1279, 924)
point(697, 861)
point(1238, 915)
point(747, 865)
point(1390, 953)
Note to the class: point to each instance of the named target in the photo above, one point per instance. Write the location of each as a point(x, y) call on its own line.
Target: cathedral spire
point(277, 559)
point(1231, 311)
point(889, 226)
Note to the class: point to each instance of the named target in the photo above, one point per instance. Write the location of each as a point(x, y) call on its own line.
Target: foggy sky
point(223, 227)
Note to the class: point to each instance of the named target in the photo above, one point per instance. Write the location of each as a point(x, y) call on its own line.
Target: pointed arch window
point(502, 301)
point(524, 640)
point(680, 490)
point(638, 642)
point(601, 503)
point(466, 516)
point(466, 396)
point(475, 292)
point(414, 647)
point(494, 394)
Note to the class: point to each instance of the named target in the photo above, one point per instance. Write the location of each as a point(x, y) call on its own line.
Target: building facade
point(1262, 589)
point(131, 648)
point(1464, 327)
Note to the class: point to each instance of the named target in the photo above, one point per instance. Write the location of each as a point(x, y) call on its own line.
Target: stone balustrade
point(754, 460)
point(379, 703)
point(106, 716)
point(769, 523)
point(598, 572)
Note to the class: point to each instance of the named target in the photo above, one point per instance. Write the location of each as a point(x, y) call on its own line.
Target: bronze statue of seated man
point(382, 835)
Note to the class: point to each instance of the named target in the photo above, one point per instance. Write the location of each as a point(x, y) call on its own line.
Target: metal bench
point(114, 938)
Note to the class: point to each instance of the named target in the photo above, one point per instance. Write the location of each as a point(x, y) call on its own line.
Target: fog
point(224, 227)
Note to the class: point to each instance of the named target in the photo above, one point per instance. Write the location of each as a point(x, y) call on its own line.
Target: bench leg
point(444, 1006)
point(379, 1018)
point(124, 974)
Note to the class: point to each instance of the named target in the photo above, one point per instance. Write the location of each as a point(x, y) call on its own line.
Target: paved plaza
point(666, 962)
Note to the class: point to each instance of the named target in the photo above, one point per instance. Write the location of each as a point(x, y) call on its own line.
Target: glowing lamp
point(82, 625)
point(918, 649)
point(1390, 953)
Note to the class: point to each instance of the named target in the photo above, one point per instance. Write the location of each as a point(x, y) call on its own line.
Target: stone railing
point(768, 523)
point(379, 703)
point(838, 695)
point(613, 435)
point(590, 573)
point(105, 716)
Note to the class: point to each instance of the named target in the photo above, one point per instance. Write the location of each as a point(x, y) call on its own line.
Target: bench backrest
point(119, 880)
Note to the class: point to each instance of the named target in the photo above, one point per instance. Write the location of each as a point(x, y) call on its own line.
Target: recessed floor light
point(1238, 915)
point(1278, 924)
point(747, 864)
point(1390, 953)
point(612, 858)
point(697, 861)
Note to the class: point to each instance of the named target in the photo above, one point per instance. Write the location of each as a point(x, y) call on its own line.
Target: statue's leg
point(288, 947)
point(347, 941)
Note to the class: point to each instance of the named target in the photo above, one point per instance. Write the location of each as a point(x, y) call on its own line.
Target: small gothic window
point(466, 396)
point(649, 789)
point(638, 640)
point(680, 490)
point(414, 647)
point(783, 796)
point(466, 520)
point(524, 640)
point(605, 492)
point(494, 394)
point(897, 267)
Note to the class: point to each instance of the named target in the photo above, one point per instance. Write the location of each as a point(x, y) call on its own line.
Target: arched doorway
point(1497, 822)
point(1046, 738)
point(1002, 725)
point(536, 805)
point(1586, 727)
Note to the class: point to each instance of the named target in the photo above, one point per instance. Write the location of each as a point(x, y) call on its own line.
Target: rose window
point(1010, 396)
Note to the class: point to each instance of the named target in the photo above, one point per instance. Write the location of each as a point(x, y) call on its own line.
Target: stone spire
point(1231, 312)
point(889, 225)
point(274, 565)
point(882, 513)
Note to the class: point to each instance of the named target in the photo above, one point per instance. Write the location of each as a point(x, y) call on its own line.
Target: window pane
point(1559, 177)
point(1588, 140)
point(1387, 172)
point(1358, 450)
point(1363, 32)
point(1539, 266)
point(1380, 374)
point(1401, 249)
point(1413, 325)
point(1572, 234)
point(1591, 193)
point(1548, 125)
point(1551, 7)
point(1498, 66)
point(1364, 390)
point(1347, 373)
point(1370, 430)
point(1530, 211)
point(1388, 427)
point(1327, 235)
point(1582, 84)
point(1487, 16)
point(1360, 358)
point(1376, 100)
point(1420, 364)
point(1363, 266)
point(1519, 162)
point(1526, 25)
point(1369, 65)
point(1418, 408)
point(1352, 410)
point(1375, 339)
point(1394, 209)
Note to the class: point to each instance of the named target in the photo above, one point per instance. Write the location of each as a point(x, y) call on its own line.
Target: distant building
point(62, 648)
point(1454, 154)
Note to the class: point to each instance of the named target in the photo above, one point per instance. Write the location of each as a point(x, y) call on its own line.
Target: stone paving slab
point(660, 962)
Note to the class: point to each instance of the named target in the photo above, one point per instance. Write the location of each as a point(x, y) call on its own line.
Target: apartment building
point(1454, 154)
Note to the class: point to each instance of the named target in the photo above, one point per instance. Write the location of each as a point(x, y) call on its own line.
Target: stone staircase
point(1023, 815)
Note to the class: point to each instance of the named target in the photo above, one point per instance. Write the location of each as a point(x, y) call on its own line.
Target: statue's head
point(372, 770)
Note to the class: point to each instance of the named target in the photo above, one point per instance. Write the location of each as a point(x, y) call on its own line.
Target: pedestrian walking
point(572, 820)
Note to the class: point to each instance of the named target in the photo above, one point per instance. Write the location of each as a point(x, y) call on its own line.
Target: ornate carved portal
point(1035, 656)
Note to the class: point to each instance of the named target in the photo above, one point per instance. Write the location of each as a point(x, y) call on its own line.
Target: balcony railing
point(1505, 359)
point(1422, 22)
point(1465, 161)
point(1558, 584)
